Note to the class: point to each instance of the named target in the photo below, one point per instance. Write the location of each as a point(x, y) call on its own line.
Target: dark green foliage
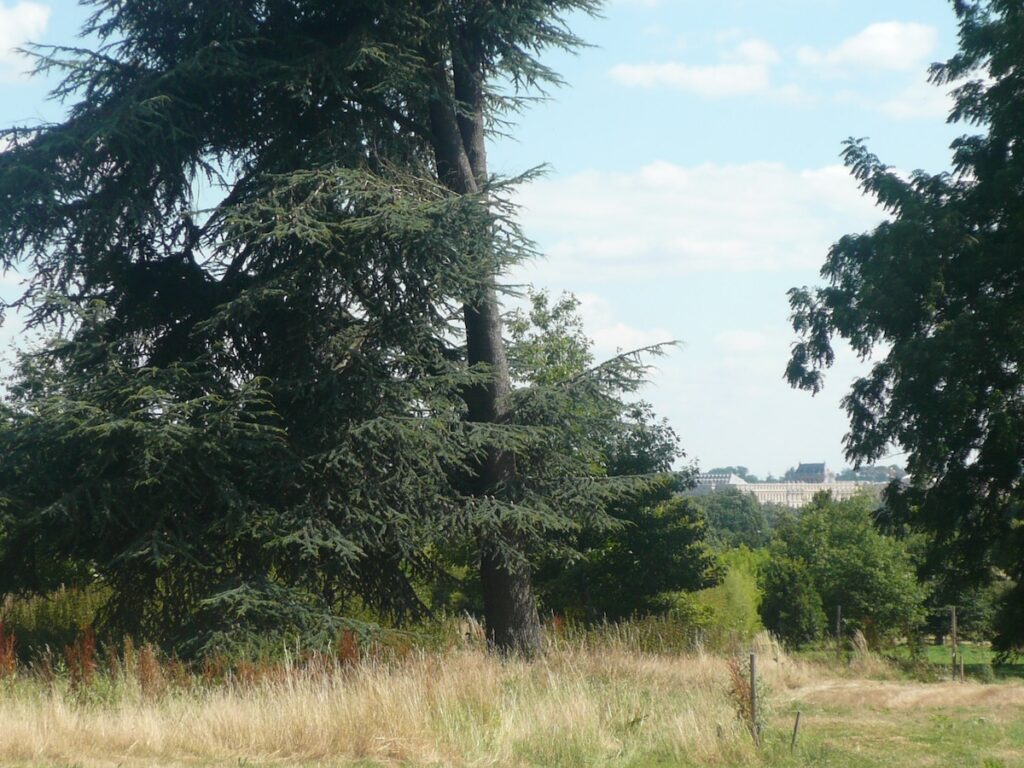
point(659, 548)
point(940, 288)
point(53, 620)
point(791, 607)
point(734, 518)
point(852, 565)
point(1006, 622)
point(648, 540)
point(254, 413)
point(201, 512)
point(976, 606)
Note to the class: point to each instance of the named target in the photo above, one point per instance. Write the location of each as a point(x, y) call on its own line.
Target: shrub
point(870, 575)
point(731, 608)
point(81, 659)
point(791, 607)
point(55, 620)
point(8, 660)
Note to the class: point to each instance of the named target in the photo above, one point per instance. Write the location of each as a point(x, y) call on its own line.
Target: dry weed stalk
point(148, 673)
point(8, 659)
point(81, 659)
point(348, 648)
point(739, 687)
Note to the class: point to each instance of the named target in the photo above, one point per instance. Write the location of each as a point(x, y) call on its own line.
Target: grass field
point(980, 662)
point(577, 706)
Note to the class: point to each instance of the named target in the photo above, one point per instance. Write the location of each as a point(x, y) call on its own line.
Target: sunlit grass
point(596, 704)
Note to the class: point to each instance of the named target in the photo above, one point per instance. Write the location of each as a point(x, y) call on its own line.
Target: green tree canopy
point(652, 540)
point(269, 238)
point(852, 565)
point(734, 518)
point(940, 288)
point(872, 474)
point(791, 607)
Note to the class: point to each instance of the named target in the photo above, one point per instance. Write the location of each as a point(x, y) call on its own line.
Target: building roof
point(819, 467)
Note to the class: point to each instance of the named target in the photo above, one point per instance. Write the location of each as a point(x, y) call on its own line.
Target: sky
point(693, 177)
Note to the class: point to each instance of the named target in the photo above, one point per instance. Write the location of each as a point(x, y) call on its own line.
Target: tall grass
point(579, 704)
point(638, 693)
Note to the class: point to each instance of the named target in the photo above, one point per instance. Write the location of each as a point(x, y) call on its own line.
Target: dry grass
point(577, 706)
point(573, 707)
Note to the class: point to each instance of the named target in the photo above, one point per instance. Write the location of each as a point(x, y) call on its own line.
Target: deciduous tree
point(938, 291)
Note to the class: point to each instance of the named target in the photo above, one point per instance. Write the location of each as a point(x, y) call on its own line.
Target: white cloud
point(19, 23)
point(610, 334)
point(922, 100)
point(757, 52)
point(918, 100)
point(710, 81)
point(666, 220)
point(885, 46)
point(746, 69)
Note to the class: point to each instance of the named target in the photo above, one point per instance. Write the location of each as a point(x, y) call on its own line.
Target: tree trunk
point(510, 608)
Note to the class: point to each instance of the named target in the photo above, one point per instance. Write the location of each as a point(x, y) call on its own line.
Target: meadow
point(608, 700)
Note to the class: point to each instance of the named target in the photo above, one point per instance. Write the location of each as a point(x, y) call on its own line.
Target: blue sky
point(694, 178)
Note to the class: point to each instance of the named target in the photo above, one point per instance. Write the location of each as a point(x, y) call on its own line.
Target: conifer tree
point(258, 231)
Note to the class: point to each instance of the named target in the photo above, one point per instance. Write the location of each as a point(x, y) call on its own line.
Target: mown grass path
point(895, 724)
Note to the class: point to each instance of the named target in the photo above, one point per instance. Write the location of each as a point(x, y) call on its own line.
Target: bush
point(852, 565)
point(729, 611)
point(55, 620)
point(791, 607)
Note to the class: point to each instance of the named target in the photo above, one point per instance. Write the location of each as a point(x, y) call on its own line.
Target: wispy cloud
point(742, 70)
point(884, 46)
point(666, 220)
point(610, 333)
point(19, 23)
point(919, 99)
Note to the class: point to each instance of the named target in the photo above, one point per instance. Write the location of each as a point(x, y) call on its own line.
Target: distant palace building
point(790, 493)
point(812, 473)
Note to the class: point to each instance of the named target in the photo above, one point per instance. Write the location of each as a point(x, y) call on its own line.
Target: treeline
point(831, 561)
point(277, 399)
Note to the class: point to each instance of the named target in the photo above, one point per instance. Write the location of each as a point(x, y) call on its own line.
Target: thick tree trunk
point(510, 608)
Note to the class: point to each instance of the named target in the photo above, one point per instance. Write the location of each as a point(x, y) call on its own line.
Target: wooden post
point(796, 728)
point(954, 640)
point(961, 667)
point(754, 730)
point(839, 630)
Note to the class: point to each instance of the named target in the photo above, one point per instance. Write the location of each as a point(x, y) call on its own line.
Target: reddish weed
point(148, 673)
point(8, 661)
point(348, 648)
point(81, 658)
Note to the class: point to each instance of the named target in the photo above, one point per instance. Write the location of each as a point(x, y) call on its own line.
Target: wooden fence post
point(839, 631)
point(954, 639)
